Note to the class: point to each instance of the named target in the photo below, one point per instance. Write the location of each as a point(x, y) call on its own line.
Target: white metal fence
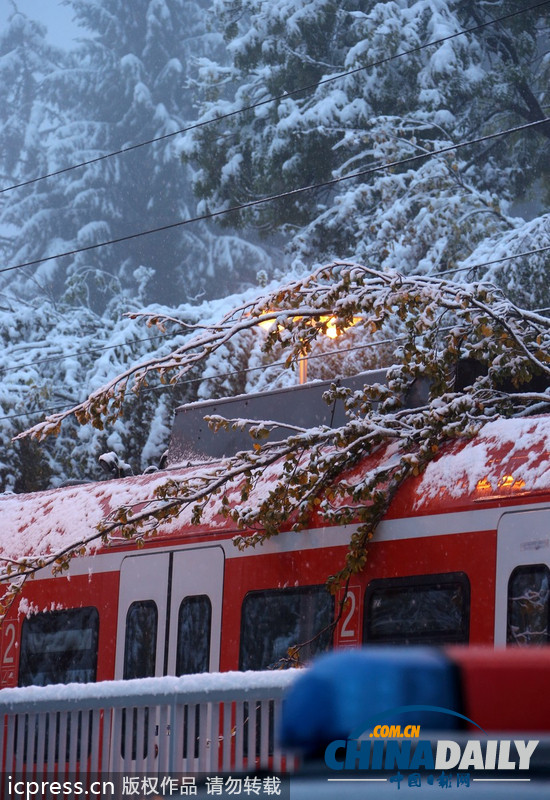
point(192, 724)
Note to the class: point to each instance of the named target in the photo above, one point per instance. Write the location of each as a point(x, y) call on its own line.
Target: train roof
point(506, 462)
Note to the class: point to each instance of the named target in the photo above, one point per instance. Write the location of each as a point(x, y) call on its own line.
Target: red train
point(463, 556)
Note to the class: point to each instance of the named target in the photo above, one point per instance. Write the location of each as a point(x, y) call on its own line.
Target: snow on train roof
point(43, 522)
point(506, 456)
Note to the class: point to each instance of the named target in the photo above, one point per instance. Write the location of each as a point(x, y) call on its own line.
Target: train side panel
point(64, 626)
point(459, 569)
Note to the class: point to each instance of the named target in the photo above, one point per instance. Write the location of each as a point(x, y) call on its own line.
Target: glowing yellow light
point(483, 485)
point(332, 331)
point(505, 482)
point(510, 482)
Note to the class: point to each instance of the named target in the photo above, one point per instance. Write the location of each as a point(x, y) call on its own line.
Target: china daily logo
point(380, 746)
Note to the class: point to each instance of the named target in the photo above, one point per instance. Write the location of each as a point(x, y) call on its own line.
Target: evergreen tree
point(26, 118)
point(25, 59)
point(428, 214)
point(52, 358)
point(128, 82)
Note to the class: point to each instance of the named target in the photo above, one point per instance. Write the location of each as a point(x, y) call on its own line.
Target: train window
point(423, 609)
point(528, 605)
point(193, 645)
point(140, 645)
point(59, 647)
point(274, 620)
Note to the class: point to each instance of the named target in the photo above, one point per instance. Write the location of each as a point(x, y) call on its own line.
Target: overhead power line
point(102, 348)
point(281, 195)
point(188, 381)
point(277, 98)
point(232, 373)
point(494, 261)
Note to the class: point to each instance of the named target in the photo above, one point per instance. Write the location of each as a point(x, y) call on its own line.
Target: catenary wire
point(246, 370)
point(492, 262)
point(91, 350)
point(188, 381)
point(277, 98)
point(101, 349)
point(281, 195)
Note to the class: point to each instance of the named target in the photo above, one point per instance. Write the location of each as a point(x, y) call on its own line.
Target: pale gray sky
point(53, 13)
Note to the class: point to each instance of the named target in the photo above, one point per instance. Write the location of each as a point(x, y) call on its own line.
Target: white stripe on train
point(456, 522)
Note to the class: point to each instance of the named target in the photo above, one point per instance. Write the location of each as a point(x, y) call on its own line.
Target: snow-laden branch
point(350, 473)
point(347, 293)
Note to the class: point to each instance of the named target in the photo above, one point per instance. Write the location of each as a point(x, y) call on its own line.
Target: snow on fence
point(191, 724)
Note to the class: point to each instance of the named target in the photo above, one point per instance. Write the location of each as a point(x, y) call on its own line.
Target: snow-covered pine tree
point(25, 60)
point(61, 321)
point(26, 119)
point(51, 359)
point(444, 212)
point(126, 83)
point(428, 215)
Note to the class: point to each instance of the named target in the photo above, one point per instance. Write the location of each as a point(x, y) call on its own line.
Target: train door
point(522, 610)
point(169, 614)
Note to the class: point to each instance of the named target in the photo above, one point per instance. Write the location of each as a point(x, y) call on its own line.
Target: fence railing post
point(194, 723)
